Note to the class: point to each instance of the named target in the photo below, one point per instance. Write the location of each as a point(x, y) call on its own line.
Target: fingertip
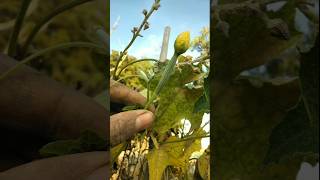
point(125, 124)
point(144, 120)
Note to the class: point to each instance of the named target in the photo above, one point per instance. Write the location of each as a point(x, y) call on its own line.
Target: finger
point(101, 173)
point(124, 125)
point(68, 167)
point(120, 93)
point(33, 103)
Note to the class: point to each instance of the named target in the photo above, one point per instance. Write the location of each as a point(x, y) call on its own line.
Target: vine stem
point(46, 19)
point(164, 79)
point(47, 50)
point(135, 35)
point(17, 27)
point(133, 62)
point(185, 139)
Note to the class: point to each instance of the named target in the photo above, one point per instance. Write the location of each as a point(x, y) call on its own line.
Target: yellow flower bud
point(182, 42)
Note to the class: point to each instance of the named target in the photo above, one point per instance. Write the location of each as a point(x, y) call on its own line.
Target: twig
point(47, 18)
point(135, 35)
point(17, 27)
point(133, 62)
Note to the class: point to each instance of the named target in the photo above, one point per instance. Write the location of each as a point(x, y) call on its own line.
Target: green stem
point(135, 35)
point(164, 79)
point(47, 18)
point(17, 28)
point(148, 89)
point(133, 62)
point(47, 50)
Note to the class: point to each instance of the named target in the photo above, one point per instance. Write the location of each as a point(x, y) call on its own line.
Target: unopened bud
point(182, 43)
point(145, 12)
point(146, 26)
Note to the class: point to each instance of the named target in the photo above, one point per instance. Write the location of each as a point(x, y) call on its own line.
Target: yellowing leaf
point(204, 166)
point(170, 154)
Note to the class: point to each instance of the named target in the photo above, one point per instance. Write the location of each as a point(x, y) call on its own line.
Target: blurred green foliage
point(78, 68)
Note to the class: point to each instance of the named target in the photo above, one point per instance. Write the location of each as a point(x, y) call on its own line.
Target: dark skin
point(34, 110)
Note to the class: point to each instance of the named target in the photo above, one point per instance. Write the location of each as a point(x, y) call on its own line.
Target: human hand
point(34, 109)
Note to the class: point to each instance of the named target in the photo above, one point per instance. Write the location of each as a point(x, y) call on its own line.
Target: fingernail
point(144, 120)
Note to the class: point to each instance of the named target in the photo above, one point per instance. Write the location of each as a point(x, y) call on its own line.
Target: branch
point(135, 35)
point(133, 62)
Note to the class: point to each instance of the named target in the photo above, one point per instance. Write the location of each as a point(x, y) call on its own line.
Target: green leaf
point(59, 148)
point(206, 86)
point(175, 107)
point(176, 102)
point(88, 141)
point(132, 107)
point(201, 105)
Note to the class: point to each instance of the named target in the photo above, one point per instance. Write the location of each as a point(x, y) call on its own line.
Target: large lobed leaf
point(176, 101)
point(244, 115)
point(299, 130)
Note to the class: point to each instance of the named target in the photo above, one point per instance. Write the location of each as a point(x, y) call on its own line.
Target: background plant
point(165, 150)
point(79, 68)
point(264, 62)
point(54, 39)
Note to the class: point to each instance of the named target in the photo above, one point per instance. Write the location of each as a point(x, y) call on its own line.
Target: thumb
point(125, 124)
